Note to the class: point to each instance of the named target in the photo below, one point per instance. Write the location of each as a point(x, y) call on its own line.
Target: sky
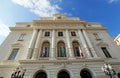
point(106, 12)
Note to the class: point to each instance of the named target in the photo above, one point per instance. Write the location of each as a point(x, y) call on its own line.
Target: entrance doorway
point(118, 75)
point(41, 75)
point(63, 74)
point(85, 73)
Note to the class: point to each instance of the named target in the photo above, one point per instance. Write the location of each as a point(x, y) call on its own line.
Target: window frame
point(96, 36)
point(60, 48)
point(60, 34)
point(73, 33)
point(106, 52)
point(46, 49)
point(77, 49)
point(21, 37)
point(47, 34)
point(13, 54)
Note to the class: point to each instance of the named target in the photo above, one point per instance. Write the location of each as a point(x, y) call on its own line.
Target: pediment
point(17, 44)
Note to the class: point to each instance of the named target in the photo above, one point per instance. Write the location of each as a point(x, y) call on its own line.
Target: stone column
point(68, 44)
point(36, 48)
point(53, 45)
point(84, 44)
point(89, 43)
point(32, 43)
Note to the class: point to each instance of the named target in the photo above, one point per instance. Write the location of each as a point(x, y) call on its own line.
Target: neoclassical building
point(58, 47)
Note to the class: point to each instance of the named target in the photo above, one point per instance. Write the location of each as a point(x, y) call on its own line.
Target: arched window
point(85, 73)
point(61, 49)
point(41, 74)
point(77, 49)
point(45, 49)
point(63, 74)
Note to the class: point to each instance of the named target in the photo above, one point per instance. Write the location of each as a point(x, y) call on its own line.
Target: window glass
point(13, 54)
point(73, 33)
point(105, 51)
point(21, 38)
point(77, 50)
point(60, 33)
point(47, 33)
point(45, 49)
point(61, 50)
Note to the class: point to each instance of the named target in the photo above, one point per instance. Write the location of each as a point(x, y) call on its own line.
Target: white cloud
point(40, 7)
point(111, 1)
point(4, 30)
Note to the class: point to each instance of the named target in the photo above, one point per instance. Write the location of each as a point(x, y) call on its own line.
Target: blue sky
point(106, 12)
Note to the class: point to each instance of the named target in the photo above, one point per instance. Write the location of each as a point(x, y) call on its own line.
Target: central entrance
point(85, 74)
point(63, 74)
point(41, 75)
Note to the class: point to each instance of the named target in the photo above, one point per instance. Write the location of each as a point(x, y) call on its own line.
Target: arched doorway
point(41, 74)
point(118, 75)
point(85, 73)
point(63, 74)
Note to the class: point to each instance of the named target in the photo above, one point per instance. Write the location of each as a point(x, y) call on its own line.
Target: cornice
point(96, 28)
point(54, 22)
point(21, 28)
point(59, 61)
point(8, 66)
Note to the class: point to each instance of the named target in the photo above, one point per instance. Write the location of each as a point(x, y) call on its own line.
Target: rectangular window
point(47, 33)
point(105, 51)
point(60, 33)
point(45, 52)
point(96, 36)
point(21, 38)
point(73, 33)
point(61, 52)
point(13, 54)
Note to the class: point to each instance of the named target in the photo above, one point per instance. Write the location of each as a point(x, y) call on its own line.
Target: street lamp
point(19, 72)
point(108, 70)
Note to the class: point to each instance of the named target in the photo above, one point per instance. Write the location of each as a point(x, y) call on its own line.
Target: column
point(68, 44)
point(53, 45)
point(89, 43)
point(84, 44)
point(36, 48)
point(32, 42)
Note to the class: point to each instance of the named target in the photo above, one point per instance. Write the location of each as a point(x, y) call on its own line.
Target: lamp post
point(108, 70)
point(19, 72)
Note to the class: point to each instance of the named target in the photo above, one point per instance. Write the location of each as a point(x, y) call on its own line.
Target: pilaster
point(32, 43)
point(36, 48)
point(89, 44)
point(53, 45)
point(84, 44)
point(69, 45)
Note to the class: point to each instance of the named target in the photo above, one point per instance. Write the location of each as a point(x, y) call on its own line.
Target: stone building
point(58, 47)
point(117, 40)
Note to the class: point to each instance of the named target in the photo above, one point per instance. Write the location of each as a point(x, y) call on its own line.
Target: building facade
point(58, 47)
point(117, 40)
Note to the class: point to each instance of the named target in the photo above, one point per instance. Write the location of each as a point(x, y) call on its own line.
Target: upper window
point(45, 49)
point(21, 38)
point(60, 33)
point(73, 33)
point(61, 49)
point(96, 36)
point(105, 51)
point(47, 33)
point(13, 54)
point(77, 49)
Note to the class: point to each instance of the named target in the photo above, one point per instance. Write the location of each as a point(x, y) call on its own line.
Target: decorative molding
point(59, 61)
point(102, 44)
